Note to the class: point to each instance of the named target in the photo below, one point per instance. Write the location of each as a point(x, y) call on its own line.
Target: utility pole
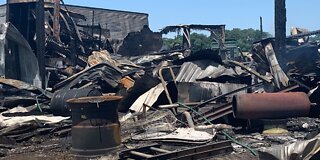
point(261, 28)
point(280, 26)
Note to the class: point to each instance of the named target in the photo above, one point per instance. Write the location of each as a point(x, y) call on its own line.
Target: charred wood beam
point(280, 26)
point(40, 32)
point(186, 38)
point(223, 37)
point(56, 21)
point(61, 48)
point(250, 70)
point(301, 35)
point(57, 46)
point(98, 26)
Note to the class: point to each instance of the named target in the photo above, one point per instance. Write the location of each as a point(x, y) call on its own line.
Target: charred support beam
point(280, 26)
point(223, 37)
point(250, 70)
point(56, 21)
point(186, 38)
point(222, 40)
point(40, 39)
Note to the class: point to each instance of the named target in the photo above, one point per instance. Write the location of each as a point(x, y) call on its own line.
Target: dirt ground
point(53, 148)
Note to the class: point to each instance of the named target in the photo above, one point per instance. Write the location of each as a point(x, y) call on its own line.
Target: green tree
point(315, 38)
point(244, 37)
point(200, 41)
point(172, 42)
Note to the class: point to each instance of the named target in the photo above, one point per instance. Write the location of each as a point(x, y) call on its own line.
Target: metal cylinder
point(271, 105)
point(189, 119)
point(58, 103)
point(95, 125)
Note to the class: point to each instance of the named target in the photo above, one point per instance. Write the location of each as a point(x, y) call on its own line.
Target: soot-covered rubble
point(131, 98)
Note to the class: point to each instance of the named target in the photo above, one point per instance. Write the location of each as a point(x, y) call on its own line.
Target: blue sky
point(234, 13)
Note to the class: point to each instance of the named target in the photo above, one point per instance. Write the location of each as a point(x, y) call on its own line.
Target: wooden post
point(40, 40)
point(56, 21)
point(186, 38)
point(280, 26)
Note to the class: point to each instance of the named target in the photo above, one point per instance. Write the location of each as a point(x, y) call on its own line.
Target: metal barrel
point(271, 105)
point(95, 125)
point(58, 105)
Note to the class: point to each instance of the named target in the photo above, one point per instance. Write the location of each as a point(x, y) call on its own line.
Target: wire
point(226, 134)
point(185, 124)
point(38, 105)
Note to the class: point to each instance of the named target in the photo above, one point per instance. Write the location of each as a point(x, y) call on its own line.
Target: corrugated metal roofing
point(202, 91)
point(120, 23)
point(26, 1)
point(193, 71)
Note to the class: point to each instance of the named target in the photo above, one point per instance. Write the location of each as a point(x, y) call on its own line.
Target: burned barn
point(93, 83)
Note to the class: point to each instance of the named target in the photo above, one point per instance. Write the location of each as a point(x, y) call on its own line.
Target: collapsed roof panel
point(191, 26)
point(300, 59)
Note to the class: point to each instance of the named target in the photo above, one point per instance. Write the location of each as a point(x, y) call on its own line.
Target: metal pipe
point(159, 150)
point(176, 105)
point(139, 154)
point(189, 119)
point(271, 105)
point(250, 70)
point(205, 127)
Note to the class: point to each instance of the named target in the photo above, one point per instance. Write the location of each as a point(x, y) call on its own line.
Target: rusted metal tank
point(95, 125)
point(271, 105)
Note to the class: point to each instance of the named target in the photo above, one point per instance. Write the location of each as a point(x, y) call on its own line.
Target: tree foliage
point(201, 41)
point(315, 38)
point(172, 42)
point(244, 38)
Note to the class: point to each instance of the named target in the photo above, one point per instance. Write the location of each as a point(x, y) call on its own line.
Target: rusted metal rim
point(93, 153)
point(95, 99)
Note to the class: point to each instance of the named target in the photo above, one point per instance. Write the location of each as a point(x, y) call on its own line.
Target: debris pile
point(175, 103)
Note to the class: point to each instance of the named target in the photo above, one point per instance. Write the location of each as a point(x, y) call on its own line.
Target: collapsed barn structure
point(90, 82)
